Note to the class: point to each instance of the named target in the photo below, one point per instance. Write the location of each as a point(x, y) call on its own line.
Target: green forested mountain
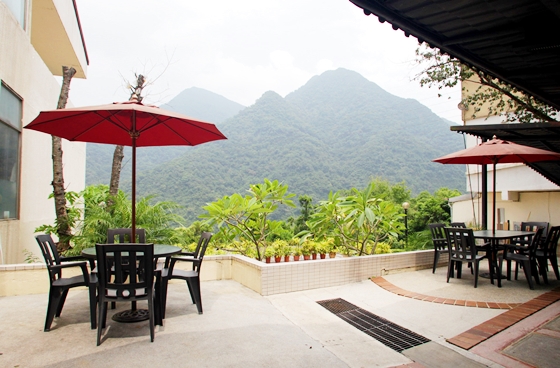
point(336, 132)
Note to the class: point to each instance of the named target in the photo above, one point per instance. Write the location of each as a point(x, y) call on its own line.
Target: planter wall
point(265, 279)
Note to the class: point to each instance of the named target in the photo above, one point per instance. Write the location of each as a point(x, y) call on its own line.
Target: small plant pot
point(296, 258)
point(314, 255)
point(306, 257)
point(332, 254)
point(267, 259)
point(277, 259)
point(286, 258)
point(323, 256)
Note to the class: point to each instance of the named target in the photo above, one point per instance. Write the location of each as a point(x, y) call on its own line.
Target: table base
point(131, 316)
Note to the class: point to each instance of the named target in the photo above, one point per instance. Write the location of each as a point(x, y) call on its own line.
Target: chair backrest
point(201, 249)
point(50, 254)
point(125, 236)
point(551, 242)
point(438, 236)
point(533, 226)
point(458, 224)
point(125, 271)
point(536, 241)
point(461, 243)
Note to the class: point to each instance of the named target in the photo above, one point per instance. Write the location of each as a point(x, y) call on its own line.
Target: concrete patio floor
point(240, 328)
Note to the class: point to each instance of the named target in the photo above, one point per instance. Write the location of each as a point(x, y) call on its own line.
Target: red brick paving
point(515, 312)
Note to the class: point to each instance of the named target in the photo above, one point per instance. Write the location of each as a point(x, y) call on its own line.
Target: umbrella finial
point(134, 98)
point(494, 137)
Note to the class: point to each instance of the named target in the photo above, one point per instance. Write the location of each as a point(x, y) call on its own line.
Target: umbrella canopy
point(497, 151)
point(128, 123)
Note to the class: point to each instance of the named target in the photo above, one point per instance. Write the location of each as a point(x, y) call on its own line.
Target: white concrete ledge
point(264, 278)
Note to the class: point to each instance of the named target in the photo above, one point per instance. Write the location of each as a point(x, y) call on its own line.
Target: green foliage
point(359, 222)
point(246, 217)
point(429, 208)
point(30, 257)
point(444, 71)
point(158, 219)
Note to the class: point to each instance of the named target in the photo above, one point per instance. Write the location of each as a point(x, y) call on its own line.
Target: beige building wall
point(524, 194)
point(23, 69)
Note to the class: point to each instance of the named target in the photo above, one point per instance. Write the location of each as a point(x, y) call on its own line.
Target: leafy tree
point(306, 210)
point(246, 218)
point(429, 208)
point(358, 222)
point(157, 219)
point(442, 71)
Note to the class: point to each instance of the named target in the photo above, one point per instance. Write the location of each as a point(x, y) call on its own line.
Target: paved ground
point(240, 328)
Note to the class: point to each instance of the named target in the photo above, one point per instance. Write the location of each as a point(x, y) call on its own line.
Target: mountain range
point(337, 131)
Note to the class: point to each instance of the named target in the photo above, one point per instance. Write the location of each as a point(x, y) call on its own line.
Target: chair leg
point(189, 284)
point(152, 317)
point(93, 306)
point(436, 259)
point(163, 296)
point(195, 287)
point(450, 266)
point(61, 302)
point(534, 270)
point(101, 315)
point(52, 308)
point(554, 262)
point(528, 276)
point(475, 266)
point(500, 265)
point(542, 263)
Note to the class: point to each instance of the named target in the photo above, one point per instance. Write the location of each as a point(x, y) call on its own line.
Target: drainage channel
point(388, 333)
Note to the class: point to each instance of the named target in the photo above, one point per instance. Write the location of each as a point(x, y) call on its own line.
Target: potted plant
point(330, 247)
point(268, 253)
point(322, 249)
point(279, 249)
point(296, 253)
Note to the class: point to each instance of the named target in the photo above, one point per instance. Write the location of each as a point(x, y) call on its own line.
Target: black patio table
point(134, 314)
point(494, 238)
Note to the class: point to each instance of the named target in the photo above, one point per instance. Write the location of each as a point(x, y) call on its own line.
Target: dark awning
point(514, 40)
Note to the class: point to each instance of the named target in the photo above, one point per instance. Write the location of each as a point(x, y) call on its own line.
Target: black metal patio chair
point(59, 285)
point(192, 277)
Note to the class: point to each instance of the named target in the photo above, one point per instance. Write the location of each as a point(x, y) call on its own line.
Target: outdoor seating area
point(532, 248)
point(286, 329)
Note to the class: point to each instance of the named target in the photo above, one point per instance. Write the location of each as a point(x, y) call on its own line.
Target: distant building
point(522, 194)
point(37, 38)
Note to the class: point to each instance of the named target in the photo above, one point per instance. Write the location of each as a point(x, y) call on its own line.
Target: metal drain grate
point(388, 333)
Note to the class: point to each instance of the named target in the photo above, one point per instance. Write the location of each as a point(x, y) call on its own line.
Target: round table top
point(160, 250)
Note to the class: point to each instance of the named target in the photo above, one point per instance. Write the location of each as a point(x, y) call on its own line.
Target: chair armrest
point(72, 258)
point(179, 259)
point(82, 265)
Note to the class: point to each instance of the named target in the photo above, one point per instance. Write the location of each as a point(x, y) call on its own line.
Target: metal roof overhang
point(514, 40)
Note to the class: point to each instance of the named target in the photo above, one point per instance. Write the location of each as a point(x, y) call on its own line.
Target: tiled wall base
point(264, 278)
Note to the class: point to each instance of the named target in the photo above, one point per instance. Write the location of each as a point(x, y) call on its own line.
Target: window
point(10, 131)
point(17, 7)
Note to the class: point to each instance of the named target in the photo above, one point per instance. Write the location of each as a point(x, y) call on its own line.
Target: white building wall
point(23, 70)
point(528, 196)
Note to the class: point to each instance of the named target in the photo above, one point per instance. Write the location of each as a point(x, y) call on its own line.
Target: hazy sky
point(241, 49)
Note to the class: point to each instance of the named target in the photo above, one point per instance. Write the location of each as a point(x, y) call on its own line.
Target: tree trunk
point(118, 155)
point(64, 231)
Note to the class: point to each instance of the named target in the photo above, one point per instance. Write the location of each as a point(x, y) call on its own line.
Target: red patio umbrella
point(498, 151)
point(128, 123)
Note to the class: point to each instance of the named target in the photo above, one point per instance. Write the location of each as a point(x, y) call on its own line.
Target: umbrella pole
point(133, 234)
point(494, 200)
